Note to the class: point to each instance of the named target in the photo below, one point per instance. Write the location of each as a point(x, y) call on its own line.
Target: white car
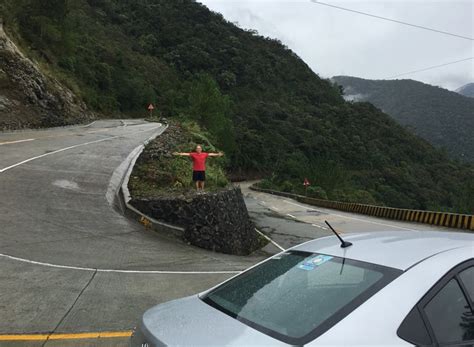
point(386, 289)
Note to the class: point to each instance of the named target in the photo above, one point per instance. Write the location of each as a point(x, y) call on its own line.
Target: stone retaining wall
point(216, 221)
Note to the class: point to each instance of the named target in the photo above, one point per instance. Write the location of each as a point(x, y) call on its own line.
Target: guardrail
point(451, 220)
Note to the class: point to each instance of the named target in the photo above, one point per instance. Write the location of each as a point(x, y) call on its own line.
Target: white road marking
point(117, 271)
point(98, 131)
point(291, 215)
point(54, 152)
point(95, 269)
point(12, 142)
point(269, 239)
point(67, 127)
point(275, 208)
point(67, 148)
point(305, 207)
point(263, 202)
point(318, 226)
point(87, 125)
point(342, 216)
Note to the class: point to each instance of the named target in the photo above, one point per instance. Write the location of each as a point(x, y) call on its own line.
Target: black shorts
point(199, 176)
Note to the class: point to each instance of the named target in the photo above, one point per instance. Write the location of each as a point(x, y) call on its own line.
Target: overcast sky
point(335, 42)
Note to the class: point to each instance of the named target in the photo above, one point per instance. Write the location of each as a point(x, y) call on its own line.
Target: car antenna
point(344, 244)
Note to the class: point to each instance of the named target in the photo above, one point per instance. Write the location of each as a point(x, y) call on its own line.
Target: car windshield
point(297, 296)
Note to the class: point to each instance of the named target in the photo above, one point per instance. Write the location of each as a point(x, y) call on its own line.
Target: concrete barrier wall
point(451, 220)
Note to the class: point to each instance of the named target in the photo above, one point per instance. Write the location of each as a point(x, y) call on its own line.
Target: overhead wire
point(392, 20)
point(429, 68)
point(317, 2)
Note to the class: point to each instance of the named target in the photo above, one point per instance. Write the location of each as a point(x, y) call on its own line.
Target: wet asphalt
point(71, 263)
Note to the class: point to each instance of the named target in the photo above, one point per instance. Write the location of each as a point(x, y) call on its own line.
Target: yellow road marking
point(78, 336)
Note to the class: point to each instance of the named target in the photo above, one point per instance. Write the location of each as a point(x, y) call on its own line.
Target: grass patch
point(158, 173)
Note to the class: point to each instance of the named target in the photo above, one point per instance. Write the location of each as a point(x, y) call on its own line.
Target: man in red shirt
point(199, 164)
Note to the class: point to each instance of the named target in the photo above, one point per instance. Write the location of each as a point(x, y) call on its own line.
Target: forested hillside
point(262, 104)
point(443, 118)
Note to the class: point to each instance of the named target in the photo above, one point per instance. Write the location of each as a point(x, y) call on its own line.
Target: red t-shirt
point(199, 161)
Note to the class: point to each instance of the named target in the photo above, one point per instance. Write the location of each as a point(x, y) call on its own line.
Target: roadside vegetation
point(157, 172)
point(261, 104)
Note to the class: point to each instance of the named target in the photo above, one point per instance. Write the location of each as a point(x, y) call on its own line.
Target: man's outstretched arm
point(184, 154)
point(220, 154)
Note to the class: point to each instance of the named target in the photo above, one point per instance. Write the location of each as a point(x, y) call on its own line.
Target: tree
point(209, 107)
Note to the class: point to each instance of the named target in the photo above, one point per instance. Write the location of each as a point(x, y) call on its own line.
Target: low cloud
point(334, 42)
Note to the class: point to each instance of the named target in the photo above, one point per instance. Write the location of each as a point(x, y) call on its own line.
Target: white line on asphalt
point(94, 269)
point(158, 272)
point(291, 215)
point(54, 152)
point(275, 208)
point(98, 131)
point(67, 127)
point(269, 239)
point(305, 207)
point(67, 148)
point(359, 219)
point(263, 202)
point(12, 142)
point(87, 125)
point(318, 226)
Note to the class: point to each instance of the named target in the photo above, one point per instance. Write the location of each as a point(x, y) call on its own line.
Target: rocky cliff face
point(29, 98)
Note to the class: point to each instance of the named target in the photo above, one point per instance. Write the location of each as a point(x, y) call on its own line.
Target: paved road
point(289, 222)
point(60, 236)
point(71, 263)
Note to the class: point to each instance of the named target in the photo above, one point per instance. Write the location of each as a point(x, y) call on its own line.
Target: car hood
point(192, 322)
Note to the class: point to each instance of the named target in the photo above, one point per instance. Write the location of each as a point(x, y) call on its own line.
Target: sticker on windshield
point(313, 262)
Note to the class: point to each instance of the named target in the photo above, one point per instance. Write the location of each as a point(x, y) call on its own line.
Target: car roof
point(396, 249)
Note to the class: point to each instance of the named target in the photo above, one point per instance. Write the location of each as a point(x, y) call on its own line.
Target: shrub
point(287, 186)
point(317, 192)
point(265, 184)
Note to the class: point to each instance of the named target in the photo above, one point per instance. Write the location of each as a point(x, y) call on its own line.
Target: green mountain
point(443, 118)
point(261, 103)
point(466, 90)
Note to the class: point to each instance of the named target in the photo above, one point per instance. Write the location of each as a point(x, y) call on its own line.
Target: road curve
point(289, 222)
point(69, 261)
point(72, 264)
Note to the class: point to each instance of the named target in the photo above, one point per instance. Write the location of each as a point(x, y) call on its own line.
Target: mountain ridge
point(258, 100)
point(466, 90)
point(442, 117)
